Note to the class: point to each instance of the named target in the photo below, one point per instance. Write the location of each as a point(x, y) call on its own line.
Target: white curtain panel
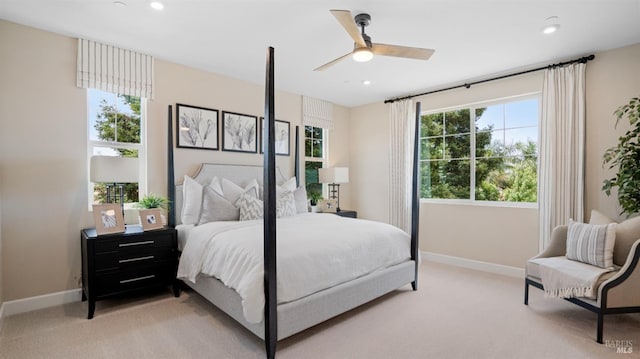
point(562, 133)
point(109, 68)
point(402, 114)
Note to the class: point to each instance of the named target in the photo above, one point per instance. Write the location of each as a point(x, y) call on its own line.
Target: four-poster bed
point(375, 273)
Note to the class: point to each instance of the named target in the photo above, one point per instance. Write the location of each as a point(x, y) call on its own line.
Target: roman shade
point(317, 113)
point(109, 68)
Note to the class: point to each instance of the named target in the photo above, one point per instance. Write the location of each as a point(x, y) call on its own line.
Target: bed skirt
point(298, 315)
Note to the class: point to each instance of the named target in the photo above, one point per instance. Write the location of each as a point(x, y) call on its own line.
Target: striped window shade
point(317, 113)
point(112, 69)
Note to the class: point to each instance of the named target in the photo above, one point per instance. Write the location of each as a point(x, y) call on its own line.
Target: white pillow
point(286, 205)
point(232, 192)
point(217, 208)
point(250, 208)
point(300, 197)
point(590, 243)
point(216, 184)
point(191, 201)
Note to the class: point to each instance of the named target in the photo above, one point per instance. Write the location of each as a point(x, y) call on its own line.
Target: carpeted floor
point(456, 313)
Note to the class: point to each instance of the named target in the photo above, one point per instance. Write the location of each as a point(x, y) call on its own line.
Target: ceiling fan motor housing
point(364, 20)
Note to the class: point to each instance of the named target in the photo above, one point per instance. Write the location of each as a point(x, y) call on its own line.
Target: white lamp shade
point(334, 175)
point(113, 169)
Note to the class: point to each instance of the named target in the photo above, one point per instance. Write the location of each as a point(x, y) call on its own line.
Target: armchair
point(617, 291)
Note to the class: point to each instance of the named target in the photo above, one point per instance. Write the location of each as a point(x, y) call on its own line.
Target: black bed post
point(171, 180)
point(415, 199)
point(269, 181)
point(297, 157)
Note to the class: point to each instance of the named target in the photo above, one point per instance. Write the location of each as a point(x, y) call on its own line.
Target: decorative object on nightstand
point(328, 205)
point(334, 176)
point(108, 218)
point(151, 201)
point(131, 261)
point(114, 171)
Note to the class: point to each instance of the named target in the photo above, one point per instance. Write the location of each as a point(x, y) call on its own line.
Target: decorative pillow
point(232, 192)
point(300, 197)
point(590, 243)
point(250, 208)
point(217, 208)
point(286, 205)
point(191, 201)
point(216, 185)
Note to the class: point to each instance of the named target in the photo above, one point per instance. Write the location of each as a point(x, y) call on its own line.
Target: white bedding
point(314, 252)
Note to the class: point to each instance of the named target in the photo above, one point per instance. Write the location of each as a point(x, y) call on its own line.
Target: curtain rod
point(582, 60)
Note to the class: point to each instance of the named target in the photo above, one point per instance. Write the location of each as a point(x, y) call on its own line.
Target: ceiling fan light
point(362, 54)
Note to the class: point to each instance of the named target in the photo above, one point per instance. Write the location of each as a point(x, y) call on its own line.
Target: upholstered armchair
point(615, 292)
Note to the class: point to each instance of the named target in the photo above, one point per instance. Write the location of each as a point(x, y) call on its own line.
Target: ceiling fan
point(363, 48)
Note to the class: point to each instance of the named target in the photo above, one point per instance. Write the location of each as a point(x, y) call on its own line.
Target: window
point(315, 141)
point(487, 152)
point(115, 129)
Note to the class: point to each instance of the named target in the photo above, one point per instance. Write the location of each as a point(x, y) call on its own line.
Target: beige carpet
point(456, 313)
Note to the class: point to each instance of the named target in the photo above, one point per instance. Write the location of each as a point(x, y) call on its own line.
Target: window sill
point(466, 202)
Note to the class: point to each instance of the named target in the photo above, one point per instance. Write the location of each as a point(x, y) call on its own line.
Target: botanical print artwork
point(197, 127)
point(239, 132)
point(281, 131)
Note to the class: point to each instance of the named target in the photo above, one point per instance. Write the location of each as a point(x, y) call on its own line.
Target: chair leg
point(600, 327)
point(526, 292)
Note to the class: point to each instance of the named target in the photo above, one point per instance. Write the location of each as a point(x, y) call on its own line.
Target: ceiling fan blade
point(348, 23)
point(402, 51)
point(331, 63)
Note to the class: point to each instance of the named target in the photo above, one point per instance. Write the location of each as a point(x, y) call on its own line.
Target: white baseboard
point(42, 301)
point(474, 264)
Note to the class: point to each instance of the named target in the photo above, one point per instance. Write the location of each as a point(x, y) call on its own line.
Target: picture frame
point(196, 127)
point(282, 134)
point(151, 219)
point(108, 218)
point(239, 132)
point(329, 205)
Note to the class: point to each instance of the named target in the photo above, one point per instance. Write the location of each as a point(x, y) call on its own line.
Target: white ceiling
point(473, 39)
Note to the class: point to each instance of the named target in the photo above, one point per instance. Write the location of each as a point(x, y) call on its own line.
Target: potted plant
point(152, 201)
point(626, 156)
point(314, 197)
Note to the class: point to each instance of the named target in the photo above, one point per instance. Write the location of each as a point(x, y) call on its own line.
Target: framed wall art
point(239, 132)
point(108, 218)
point(197, 127)
point(282, 134)
point(151, 219)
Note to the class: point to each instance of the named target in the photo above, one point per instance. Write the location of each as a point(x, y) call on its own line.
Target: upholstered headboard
point(239, 174)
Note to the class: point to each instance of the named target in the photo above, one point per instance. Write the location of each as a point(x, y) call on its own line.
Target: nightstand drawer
point(126, 280)
point(133, 243)
point(131, 258)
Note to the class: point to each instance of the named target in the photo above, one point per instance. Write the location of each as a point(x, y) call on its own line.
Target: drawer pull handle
point(135, 244)
point(137, 279)
point(135, 259)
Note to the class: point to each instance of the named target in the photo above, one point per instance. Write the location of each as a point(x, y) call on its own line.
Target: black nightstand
point(347, 213)
point(119, 263)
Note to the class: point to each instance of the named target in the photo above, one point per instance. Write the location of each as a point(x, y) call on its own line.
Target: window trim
point(324, 159)
point(141, 147)
point(472, 155)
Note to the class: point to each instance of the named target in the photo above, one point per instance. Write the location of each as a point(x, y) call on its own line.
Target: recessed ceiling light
point(157, 5)
point(551, 25)
point(366, 82)
point(550, 29)
point(120, 3)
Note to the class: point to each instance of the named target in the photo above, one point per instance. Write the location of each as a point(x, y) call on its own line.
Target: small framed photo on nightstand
point(108, 218)
point(151, 219)
point(328, 205)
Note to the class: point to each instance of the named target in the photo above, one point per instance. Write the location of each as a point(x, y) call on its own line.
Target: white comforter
point(314, 252)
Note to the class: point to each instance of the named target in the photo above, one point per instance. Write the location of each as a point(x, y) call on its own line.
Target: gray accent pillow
point(250, 208)
point(286, 205)
point(590, 243)
point(217, 208)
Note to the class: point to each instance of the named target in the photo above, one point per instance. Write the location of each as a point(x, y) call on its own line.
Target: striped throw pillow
point(592, 244)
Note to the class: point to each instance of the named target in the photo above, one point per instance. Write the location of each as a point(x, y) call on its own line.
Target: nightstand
point(119, 263)
point(347, 213)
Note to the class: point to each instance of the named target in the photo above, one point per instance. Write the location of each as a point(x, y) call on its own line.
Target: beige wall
point(613, 77)
point(43, 150)
point(486, 233)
